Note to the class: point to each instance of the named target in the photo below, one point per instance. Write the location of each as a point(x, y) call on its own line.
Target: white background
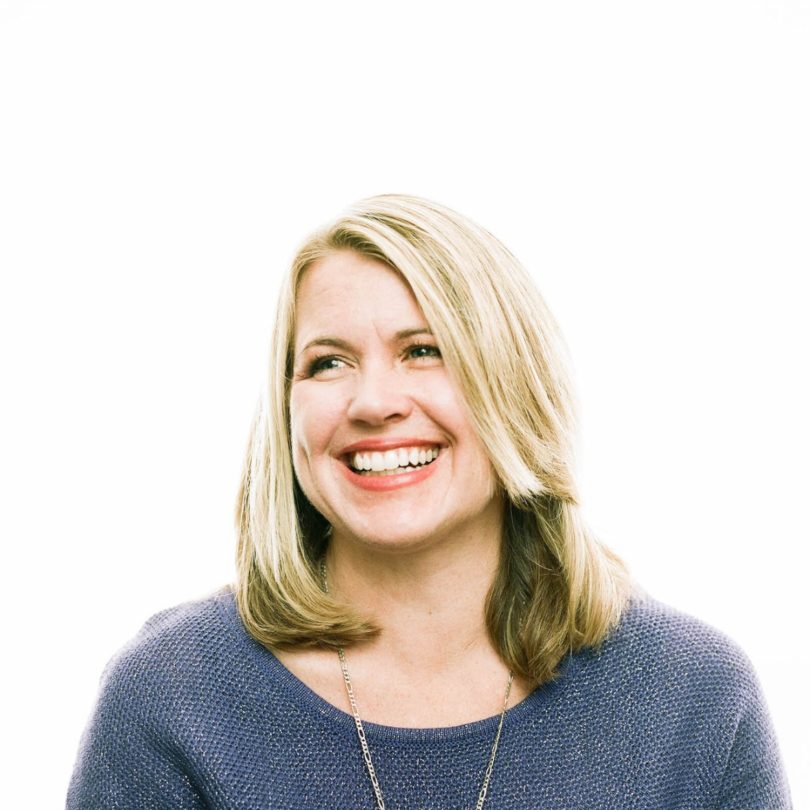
point(160, 161)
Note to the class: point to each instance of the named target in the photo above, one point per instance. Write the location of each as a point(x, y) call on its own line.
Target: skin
point(418, 558)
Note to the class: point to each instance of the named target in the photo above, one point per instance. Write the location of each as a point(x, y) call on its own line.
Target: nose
point(380, 395)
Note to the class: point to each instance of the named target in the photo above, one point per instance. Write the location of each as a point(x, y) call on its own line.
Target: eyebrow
point(327, 340)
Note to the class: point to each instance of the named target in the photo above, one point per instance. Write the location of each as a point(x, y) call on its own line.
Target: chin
point(389, 542)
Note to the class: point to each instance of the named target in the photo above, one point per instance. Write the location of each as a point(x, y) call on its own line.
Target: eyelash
point(317, 363)
point(434, 349)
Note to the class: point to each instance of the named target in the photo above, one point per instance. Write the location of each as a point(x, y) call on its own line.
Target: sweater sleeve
point(754, 777)
point(126, 760)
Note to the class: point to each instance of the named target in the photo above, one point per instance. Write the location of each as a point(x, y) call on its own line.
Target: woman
point(421, 619)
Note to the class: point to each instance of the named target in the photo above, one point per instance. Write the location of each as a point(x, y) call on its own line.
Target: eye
point(423, 351)
point(321, 365)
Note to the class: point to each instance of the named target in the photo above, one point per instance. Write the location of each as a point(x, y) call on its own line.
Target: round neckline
point(268, 664)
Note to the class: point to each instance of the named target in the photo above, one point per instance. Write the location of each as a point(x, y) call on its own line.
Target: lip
point(380, 445)
point(385, 483)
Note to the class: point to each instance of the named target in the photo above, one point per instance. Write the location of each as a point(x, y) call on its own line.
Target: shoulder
point(700, 687)
point(657, 645)
point(189, 621)
point(184, 627)
point(649, 624)
point(169, 680)
point(176, 647)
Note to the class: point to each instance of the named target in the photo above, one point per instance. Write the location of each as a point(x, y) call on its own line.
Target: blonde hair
point(557, 588)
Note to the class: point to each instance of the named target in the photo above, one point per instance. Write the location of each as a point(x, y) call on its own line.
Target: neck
point(429, 603)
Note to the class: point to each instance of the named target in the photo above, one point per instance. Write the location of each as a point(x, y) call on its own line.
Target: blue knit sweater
point(193, 713)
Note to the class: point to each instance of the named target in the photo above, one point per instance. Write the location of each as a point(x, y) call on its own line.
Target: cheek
point(441, 399)
point(312, 422)
point(449, 409)
point(300, 434)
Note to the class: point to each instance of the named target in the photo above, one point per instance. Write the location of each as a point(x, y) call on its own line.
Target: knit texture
point(193, 713)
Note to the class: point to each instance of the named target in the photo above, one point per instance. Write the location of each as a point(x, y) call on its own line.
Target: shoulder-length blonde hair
point(557, 589)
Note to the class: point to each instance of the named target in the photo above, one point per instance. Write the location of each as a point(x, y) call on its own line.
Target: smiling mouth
point(392, 462)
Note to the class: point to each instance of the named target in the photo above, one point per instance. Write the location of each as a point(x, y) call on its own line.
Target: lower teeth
point(396, 471)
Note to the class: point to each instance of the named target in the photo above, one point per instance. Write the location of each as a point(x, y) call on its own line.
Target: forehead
point(346, 288)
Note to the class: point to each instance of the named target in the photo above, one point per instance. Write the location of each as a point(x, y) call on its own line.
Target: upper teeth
point(391, 459)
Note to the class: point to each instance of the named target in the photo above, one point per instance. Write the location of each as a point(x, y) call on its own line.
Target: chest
point(387, 696)
point(302, 757)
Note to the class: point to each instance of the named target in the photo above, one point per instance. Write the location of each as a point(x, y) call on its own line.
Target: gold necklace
point(361, 732)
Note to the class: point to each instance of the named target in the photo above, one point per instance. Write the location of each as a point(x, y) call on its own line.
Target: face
point(382, 442)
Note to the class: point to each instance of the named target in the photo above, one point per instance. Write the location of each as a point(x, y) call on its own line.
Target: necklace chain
point(361, 732)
